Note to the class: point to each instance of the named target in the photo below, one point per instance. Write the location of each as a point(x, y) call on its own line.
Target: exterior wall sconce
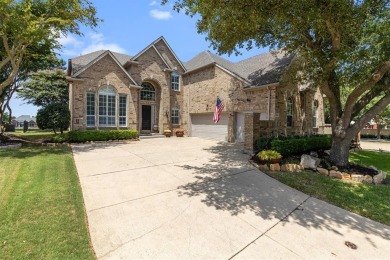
point(207, 107)
point(167, 113)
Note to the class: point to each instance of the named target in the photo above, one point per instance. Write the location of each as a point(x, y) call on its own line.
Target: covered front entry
point(202, 125)
point(149, 108)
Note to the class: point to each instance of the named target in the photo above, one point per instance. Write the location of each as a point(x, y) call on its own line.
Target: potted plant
point(179, 132)
point(269, 156)
point(167, 133)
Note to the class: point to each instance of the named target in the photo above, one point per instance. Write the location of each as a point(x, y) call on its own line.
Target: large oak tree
point(27, 22)
point(344, 46)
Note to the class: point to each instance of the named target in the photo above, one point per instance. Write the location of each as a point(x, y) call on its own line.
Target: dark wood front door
point(146, 118)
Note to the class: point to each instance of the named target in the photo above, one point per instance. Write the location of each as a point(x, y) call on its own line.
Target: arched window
point(148, 92)
point(315, 113)
point(290, 109)
point(175, 116)
point(107, 106)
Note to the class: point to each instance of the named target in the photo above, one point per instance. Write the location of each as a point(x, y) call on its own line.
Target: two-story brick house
point(154, 90)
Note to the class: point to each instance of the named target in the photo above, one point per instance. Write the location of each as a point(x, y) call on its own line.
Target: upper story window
point(175, 81)
point(290, 112)
point(315, 113)
point(148, 92)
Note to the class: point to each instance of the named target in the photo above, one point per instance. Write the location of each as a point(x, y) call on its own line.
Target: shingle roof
point(206, 58)
point(265, 68)
point(81, 61)
point(260, 70)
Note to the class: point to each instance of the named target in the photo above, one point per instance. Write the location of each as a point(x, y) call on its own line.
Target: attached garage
point(202, 125)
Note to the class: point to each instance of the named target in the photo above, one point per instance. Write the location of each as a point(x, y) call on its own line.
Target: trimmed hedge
point(295, 144)
point(374, 136)
point(101, 135)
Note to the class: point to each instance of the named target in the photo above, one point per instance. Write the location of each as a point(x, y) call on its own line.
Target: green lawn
point(380, 160)
point(41, 207)
point(366, 200)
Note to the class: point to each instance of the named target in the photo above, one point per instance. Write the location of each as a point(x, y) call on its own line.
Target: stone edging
point(377, 179)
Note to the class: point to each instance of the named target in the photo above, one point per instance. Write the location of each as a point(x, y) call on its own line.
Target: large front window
point(148, 93)
point(107, 106)
point(91, 109)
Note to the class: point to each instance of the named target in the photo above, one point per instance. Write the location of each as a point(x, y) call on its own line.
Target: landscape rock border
point(311, 163)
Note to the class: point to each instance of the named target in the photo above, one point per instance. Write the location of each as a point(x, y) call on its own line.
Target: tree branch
point(357, 92)
point(363, 101)
point(376, 109)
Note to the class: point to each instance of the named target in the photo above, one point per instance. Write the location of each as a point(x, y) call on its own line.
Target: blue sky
point(128, 27)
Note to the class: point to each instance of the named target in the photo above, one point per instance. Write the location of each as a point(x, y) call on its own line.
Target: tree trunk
point(339, 153)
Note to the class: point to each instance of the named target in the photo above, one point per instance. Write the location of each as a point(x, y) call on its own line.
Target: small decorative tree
point(54, 116)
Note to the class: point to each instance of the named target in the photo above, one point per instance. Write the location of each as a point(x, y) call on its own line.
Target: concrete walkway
point(372, 144)
point(189, 198)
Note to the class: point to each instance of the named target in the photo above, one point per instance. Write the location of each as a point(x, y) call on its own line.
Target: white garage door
point(204, 126)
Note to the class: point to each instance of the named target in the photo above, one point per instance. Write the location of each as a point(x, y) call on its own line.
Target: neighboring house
point(19, 121)
point(154, 90)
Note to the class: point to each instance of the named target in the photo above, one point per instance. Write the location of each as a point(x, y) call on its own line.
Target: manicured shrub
point(54, 116)
point(294, 144)
point(59, 138)
point(101, 135)
point(269, 155)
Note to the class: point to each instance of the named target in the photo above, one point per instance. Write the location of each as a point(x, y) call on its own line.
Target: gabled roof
point(259, 70)
point(152, 45)
point(86, 61)
point(81, 61)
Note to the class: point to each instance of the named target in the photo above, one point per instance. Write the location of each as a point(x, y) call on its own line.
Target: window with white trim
point(148, 92)
point(107, 106)
point(91, 116)
point(289, 112)
point(175, 81)
point(122, 110)
point(175, 116)
point(315, 113)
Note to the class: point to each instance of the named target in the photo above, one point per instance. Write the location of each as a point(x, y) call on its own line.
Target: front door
point(146, 118)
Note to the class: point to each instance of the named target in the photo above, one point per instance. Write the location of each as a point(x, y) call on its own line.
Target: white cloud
point(91, 42)
point(153, 3)
point(160, 15)
point(98, 43)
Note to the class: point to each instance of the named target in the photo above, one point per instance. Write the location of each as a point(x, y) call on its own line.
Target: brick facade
point(264, 107)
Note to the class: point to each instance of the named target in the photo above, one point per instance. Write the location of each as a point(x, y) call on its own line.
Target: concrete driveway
point(190, 198)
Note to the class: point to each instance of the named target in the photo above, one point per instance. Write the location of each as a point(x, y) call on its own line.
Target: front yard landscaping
point(371, 201)
point(41, 206)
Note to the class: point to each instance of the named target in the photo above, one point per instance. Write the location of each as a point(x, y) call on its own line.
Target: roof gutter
point(267, 86)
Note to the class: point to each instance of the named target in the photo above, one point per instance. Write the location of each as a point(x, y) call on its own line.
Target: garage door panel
point(203, 126)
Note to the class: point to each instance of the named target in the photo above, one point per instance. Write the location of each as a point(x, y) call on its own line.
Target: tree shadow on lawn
point(230, 183)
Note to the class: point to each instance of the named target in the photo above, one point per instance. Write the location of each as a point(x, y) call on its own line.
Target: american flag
point(218, 109)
